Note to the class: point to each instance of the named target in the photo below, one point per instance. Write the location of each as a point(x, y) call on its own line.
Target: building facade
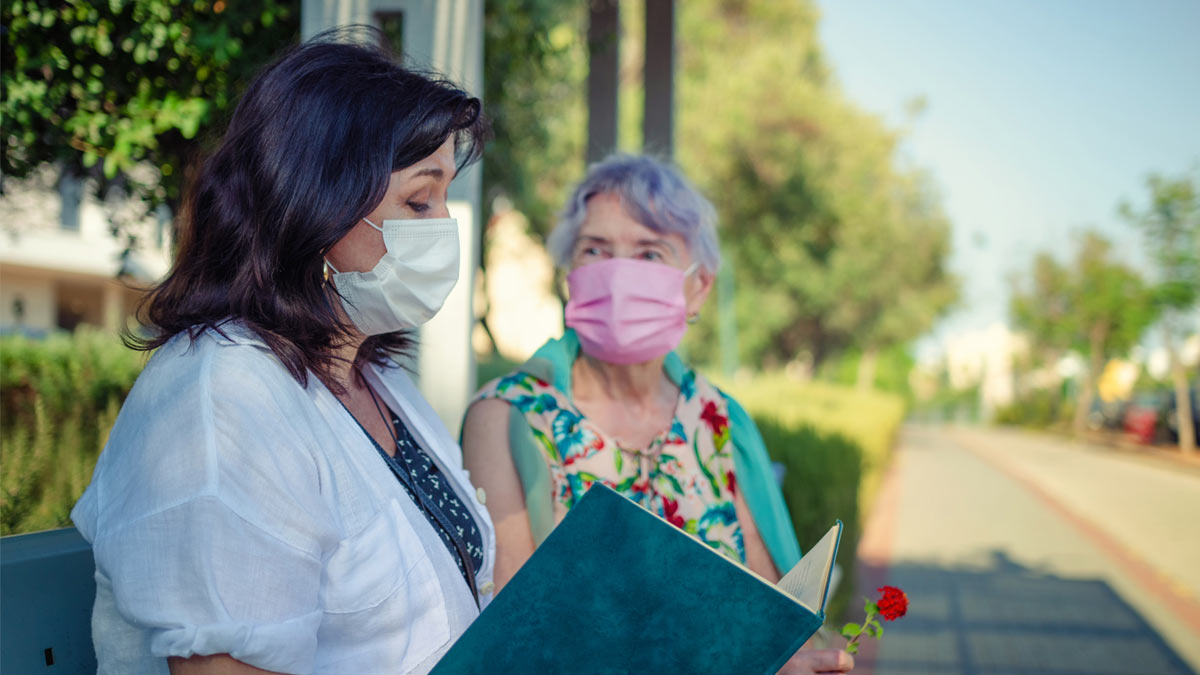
point(62, 266)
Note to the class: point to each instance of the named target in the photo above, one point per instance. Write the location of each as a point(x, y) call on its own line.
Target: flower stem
point(865, 623)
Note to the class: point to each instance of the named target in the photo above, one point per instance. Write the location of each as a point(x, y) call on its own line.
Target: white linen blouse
point(234, 511)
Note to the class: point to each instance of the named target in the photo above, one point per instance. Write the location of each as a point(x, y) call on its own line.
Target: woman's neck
point(343, 370)
point(639, 384)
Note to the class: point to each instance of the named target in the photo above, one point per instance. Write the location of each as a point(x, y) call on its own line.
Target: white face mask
point(410, 282)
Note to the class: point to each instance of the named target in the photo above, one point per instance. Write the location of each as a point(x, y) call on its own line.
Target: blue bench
point(47, 587)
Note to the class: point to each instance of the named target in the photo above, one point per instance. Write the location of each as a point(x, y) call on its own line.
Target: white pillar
point(447, 37)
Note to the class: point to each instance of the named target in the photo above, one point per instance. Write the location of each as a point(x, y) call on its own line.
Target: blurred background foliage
point(129, 92)
point(1093, 305)
point(535, 64)
point(58, 399)
point(832, 243)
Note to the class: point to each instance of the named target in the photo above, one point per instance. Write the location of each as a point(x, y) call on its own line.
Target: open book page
point(808, 581)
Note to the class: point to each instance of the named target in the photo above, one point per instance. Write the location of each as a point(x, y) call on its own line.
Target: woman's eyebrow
point(592, 239)
point(430, 171)
point(657, 242)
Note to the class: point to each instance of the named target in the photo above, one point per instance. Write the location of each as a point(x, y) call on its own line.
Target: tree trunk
point(866, 369)
point(1183, 403)
point(1087, 391)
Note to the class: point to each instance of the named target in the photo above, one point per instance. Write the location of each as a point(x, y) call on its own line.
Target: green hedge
point(835, 443)
point(1040, 408)
point(823, 474)
point(60, 396)
point(58, 399)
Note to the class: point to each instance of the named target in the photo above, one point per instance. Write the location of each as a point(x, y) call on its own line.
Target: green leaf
point(852, 648)
point(851, 629)
point(627, 484)
point(672, 480)
point(870, 607)
point(547, 444)
point(712, 480)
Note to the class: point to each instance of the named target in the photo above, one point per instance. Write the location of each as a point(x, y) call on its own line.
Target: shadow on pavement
point(1007, 619)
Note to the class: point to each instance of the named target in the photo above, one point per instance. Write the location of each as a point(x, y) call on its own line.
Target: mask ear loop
point(695, 316)
point(329, 265)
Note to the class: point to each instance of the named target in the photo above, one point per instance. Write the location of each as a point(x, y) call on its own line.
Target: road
point(1026, 553)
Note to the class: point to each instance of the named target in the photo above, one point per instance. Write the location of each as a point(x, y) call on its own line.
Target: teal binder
point(616, 589)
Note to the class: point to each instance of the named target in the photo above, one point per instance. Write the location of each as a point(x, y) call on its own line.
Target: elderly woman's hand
point(810, 661)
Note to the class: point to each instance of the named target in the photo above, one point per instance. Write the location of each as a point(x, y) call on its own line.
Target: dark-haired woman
point(276, 494)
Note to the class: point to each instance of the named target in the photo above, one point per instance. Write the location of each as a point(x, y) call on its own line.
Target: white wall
point(37, 296)
point(33, 235)
point(56, 245)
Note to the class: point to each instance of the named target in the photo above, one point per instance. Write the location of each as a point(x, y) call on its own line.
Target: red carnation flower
point(893, 603)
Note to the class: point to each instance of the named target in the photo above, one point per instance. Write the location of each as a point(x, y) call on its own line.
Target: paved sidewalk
point(1005, 579)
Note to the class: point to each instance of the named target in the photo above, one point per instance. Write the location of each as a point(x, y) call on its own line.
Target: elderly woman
point(611, 402)
point(276, 495)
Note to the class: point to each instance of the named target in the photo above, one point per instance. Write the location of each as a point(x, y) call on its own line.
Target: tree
point(1171, 225)
point(124, 91)
point(535, 64)
point(1093, 304)
point(131, 92)
point(813, 203)
point(897, 280)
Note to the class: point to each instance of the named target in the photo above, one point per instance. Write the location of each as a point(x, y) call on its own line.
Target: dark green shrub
point(823, 475)
point(1039, 408)
point(58, 399)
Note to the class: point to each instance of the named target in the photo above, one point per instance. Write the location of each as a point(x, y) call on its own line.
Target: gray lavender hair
point(655, 194)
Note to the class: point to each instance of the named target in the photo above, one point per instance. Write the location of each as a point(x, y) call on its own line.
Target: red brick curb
point(875, 551)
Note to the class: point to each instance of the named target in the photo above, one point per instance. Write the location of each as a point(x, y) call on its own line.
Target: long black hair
point(308, 152)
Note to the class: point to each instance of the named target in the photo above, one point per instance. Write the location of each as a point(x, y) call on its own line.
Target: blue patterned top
point(426, 475)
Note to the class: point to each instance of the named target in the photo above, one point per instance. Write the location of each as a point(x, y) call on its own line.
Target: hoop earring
point(693, 317)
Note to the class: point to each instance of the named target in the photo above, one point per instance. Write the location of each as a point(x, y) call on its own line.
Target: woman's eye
point(651, 255)
point(419, 207)
point(590, 251)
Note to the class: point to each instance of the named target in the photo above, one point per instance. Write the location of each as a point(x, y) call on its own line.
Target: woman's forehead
point(608, 219)
point(440, 163)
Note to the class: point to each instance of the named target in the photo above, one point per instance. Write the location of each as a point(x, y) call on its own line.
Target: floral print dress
point(685, 476)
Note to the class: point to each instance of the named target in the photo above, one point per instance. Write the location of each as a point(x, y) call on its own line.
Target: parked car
point(1146, 416)
point(1107, 415)
point(1172, 418)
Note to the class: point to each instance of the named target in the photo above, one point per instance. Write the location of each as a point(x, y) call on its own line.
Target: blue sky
point(1041, 117)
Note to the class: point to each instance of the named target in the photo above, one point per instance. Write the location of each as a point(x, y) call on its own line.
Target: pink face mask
point(627, 311)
